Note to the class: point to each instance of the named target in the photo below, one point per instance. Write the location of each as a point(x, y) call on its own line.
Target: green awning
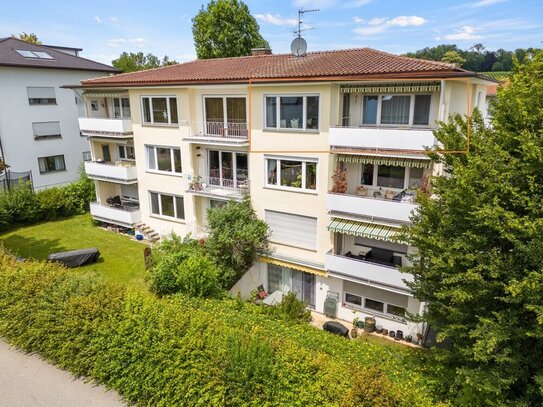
point(106, 94)
point(111, 140)
point(364, 229)
point(392, 88)
point(385, 160)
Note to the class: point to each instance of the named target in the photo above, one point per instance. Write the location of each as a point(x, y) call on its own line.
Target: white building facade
point(277, 128)
point(39, 129)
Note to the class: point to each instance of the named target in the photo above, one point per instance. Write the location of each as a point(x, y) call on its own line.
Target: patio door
point(227, 169)
point(289, 280)
point(225, 116)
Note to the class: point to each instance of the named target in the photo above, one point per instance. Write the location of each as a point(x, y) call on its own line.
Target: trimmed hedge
point(22, 206)
point(181, 351)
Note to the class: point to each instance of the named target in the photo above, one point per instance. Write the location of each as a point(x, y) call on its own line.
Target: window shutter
point(46, 129)
point(292, 229)
point(40, 92)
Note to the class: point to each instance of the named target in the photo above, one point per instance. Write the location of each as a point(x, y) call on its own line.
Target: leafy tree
point(137, 62)
point(30, 37)
point(480, 242)
point(453, 57)
point(3, 165)
point(236, 238)
point(225, 28)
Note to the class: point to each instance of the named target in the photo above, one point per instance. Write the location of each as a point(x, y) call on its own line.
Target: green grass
point(121, 258)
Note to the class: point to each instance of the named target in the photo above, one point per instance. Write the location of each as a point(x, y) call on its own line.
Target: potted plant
point(419, 339)
point(354, 330)
point(362, 190)
point(196, 183)
point(340, 181)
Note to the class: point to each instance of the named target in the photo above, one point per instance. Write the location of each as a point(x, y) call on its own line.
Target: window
point(94, 105)
point(225, 113)
point(166, 159)
point(121, 108)
point(87, 156)
point(390, 176)
point(294, 112)
point(227, 168)
point(126, 153)
point(367, 174)
point(399, 110)
point(374, 305)
point(353, 299)
point(358, 301)
point(289, 280)
point(167, 205)
point(41, 95)
point(34, 54)
point(159, 110)
point(51, 164)
point(291, 173)
point(214, 203)
point(395, 310)
point(415, 177)
point(45, 130)
point(294, 230)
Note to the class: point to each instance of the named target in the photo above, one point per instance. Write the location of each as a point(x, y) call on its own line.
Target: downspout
point(441, 116)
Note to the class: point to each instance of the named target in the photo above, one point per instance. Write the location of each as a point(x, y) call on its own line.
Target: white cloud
point(379, 25)
point(113, 19)
point(136, 42)
point(276, 19)
point(464, 33)
point(358, 20)
point(98, 19)
point(484, 3)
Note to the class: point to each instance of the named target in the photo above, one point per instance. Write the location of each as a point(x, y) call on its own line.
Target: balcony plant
point(340, 181)
point(354, 330)
point(196, 183)
point(362, 190)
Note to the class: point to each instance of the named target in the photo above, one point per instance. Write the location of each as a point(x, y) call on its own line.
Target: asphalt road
point(28, 381)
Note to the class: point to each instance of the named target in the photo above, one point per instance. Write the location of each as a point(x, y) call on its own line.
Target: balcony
point(218, 133)
point(105, 127)
point(381, 138)
point(124, 173)
point(373, 206)
point(366, 271)
point(217, 188)
point(123, 215)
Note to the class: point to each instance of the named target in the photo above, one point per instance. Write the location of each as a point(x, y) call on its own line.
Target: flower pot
point(385, 331)
point(354, 333)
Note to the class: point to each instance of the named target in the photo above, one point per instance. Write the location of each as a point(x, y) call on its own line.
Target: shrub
point(293, 309)
point(192, 351)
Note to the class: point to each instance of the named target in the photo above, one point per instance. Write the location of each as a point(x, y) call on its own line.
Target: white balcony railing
point(381, 138)
point(125, 173)
point(89, 125)
point(366, 271)
point(126, 216)
point(371, 206)
point(221, 188)
point(218, 132)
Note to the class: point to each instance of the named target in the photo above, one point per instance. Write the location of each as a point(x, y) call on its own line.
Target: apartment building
point(39, 130)
point(276, 127)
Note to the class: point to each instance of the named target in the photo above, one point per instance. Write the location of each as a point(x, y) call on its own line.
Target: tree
point(236, 238)
point(225, 28)
point(480, 246)
point(453, 57)
point(138, 62)
point(30, 38)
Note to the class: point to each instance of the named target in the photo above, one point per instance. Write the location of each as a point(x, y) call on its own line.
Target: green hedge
point(180, 351)
point(22, 206)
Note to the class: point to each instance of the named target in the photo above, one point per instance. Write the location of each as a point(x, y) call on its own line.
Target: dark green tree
point(131, 62)
point(479, 266)
point(236, 238)
point(225, 28)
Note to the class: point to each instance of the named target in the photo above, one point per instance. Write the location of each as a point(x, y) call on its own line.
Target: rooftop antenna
point(299, 45)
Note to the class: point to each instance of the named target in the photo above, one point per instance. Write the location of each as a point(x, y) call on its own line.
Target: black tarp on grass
point(75, 258)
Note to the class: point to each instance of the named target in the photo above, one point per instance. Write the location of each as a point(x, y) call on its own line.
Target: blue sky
point(106, 28)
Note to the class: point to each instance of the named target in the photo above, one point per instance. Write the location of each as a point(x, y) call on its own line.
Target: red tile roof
point(351, 63)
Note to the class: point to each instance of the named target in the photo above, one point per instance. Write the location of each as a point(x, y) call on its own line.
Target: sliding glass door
point(289, 280)
point(223, 165)
point(225, 116)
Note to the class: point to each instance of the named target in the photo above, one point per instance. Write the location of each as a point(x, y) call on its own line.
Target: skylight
point(34, 54)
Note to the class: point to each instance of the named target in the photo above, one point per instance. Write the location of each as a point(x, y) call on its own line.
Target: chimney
point(261, 51)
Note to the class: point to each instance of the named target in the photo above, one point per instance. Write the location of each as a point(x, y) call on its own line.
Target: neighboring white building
point(275, 127)
point(39, 130)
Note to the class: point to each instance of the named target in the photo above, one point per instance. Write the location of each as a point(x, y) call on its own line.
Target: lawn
point(121, 257)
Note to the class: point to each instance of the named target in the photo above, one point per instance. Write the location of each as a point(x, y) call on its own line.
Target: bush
point(183, 351)
point(293, 309)
point(183, 267)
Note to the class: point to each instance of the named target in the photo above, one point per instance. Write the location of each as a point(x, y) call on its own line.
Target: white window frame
point(122, 116)
point(50, 101)
point(87, 154)
point(407, 177)
point(411, 110)
point(362, 307)
point(225, 110)
point(278, 97)
point(234, 165)
point(152, 123)
point(125, 148)
point(174, 218)
point(304, 162)
point(56, 170)
point(156, 170)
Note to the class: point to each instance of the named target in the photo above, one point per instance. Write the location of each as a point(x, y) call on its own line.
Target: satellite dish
point(298, 47)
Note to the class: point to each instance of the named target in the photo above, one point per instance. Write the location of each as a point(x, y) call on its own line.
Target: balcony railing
point(105, 126)
point(382, 138)
point(365, 270)
point(218, 131)
point(222, 188)
point(123, 215)
point(123, 173)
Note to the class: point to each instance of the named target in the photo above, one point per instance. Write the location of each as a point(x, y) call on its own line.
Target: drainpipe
point(442, 101)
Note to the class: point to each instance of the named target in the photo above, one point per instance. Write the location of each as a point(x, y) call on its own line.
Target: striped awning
point(392, 88)
point(111, 140)
point(385, 160)
point(291, 265)
point(106, 94)
point(364, 229)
